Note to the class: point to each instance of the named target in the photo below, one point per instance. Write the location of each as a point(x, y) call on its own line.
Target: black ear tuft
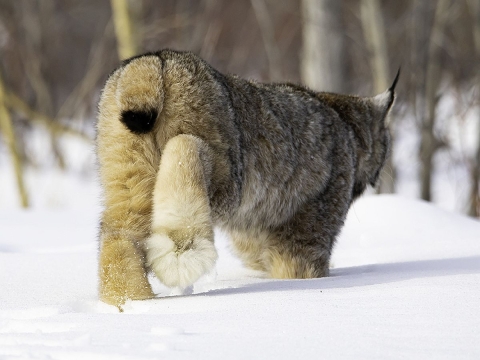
point(392, 88)
point(139, 122)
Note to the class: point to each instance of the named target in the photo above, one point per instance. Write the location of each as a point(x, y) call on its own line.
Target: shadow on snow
point(363, 276)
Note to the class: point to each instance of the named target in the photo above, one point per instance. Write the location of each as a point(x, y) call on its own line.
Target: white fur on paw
point(179, 269)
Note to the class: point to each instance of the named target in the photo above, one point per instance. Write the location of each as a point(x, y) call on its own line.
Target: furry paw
point(179, 267)
point(122, 272)
point(119, 299)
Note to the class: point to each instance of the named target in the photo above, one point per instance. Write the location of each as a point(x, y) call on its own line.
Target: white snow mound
point(405, 283)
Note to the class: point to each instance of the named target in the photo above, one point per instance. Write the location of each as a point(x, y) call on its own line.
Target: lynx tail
point(139, 93)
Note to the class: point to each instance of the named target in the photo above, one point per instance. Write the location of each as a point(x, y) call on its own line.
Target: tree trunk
point(323, 49)
point(124, 29)
point(6, 127)
point(374, 32)
point(429, 143)
point(267, 30)
point(475, 193)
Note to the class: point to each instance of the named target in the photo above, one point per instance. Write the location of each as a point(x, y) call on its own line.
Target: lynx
point(183, 148)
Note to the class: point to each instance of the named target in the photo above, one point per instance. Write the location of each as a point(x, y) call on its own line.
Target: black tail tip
point(139, 122)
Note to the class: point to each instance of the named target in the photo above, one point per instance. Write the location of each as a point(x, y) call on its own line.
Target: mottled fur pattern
point(183, 148)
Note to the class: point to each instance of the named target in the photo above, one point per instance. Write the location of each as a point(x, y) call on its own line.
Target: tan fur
point(285, 266)
point(181, 247)
point(258, 251)
point(120, 257)
point(146, 89)
point(251, 248)
point(129, 166)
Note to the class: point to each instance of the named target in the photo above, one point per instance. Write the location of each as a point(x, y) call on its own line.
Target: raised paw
point(179, 267)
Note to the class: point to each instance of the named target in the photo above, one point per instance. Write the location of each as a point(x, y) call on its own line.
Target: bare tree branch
point(6, 127)
point(95, 69)
point(17, 104)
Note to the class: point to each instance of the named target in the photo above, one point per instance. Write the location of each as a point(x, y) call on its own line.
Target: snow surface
point(405, 284)
point(405, 281)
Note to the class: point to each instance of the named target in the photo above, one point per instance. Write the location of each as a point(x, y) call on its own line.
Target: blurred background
point(56, 55)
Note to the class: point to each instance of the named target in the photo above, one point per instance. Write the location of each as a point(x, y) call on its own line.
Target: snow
point(458, 125)
point(405, 278)
point(405, 284)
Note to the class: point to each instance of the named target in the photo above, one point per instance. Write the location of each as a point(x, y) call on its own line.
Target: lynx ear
point(392, 88)
point(384, 101)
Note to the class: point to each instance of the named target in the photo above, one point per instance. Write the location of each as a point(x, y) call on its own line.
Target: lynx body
point(183, 148)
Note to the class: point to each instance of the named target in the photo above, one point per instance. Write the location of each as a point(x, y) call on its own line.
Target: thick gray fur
point(286, 162)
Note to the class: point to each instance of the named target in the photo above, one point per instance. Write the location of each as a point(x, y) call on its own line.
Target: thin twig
point(17, 104)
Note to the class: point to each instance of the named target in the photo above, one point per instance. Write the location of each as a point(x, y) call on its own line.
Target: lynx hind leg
point(122, 271)
point(180, 249)
point(125, 224)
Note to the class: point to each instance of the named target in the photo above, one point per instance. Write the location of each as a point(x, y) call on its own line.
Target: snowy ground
point(405, 280)
point(405, 284)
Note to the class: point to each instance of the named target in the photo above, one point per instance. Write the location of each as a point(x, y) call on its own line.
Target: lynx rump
point(183, 148)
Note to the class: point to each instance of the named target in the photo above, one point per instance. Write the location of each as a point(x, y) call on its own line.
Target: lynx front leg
point(181, 248)
point(302, 246)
